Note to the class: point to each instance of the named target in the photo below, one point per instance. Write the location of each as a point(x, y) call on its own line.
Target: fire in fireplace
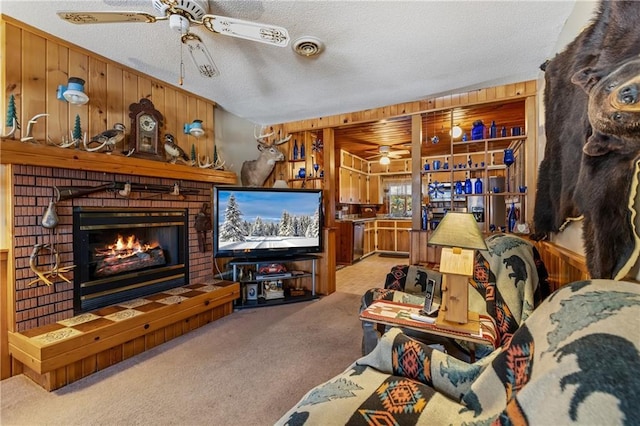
point(122, 254)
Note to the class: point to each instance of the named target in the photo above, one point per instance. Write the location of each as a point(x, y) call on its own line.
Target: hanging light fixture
point(194, 129)
point(73, 92)
point(384, 160)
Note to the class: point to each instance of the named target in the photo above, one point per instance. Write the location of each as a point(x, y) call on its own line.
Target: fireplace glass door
point(123, 254)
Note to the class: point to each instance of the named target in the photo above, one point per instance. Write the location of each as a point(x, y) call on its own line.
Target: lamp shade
point(458, 230)
point(384, 160)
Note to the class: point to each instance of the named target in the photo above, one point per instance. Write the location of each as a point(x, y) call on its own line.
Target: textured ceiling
point(377, 52)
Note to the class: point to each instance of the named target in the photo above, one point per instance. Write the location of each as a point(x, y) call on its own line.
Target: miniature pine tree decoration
point(77, 129)
point(11, 113)
point(193, 152)
point(76, 134)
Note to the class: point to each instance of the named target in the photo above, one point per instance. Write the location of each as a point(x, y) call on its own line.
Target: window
point(399, 196)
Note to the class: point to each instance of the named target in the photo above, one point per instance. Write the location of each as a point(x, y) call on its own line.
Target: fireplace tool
point(49, 221)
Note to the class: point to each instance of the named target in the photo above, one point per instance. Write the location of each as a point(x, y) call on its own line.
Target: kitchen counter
point(369, 219)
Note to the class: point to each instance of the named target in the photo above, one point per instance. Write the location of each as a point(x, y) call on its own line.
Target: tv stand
point(268, 289)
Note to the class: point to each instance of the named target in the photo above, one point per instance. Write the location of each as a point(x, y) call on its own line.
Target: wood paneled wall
point(505, 92)
point(35, 64)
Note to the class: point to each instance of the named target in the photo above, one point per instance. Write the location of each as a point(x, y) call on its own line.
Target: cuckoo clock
point(146, 124)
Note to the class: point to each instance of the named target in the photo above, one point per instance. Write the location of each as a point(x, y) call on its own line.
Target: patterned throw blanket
point(509, 281)
point(574, 360)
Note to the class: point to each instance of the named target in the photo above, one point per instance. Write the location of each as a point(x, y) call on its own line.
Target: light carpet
point(245, 369)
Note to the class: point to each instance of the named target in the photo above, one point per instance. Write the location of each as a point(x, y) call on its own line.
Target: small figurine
point(203, 225)
point(107, 139)
point(173, 151)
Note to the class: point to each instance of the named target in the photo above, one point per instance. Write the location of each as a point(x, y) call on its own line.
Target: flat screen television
point(258, 223)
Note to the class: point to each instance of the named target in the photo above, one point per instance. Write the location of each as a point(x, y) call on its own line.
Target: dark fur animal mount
point(612, 37)
point(614, 99)
point(591, 146)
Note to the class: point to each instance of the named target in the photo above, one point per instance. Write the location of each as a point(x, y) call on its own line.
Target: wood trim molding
point(506, 92)
point(41, 155)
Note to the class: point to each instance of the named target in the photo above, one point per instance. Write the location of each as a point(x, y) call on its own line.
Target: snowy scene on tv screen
point(263, 220)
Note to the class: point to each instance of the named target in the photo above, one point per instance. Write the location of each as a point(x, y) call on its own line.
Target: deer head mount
point(256, 172)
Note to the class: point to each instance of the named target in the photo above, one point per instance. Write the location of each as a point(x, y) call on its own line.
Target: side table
point(395, 314)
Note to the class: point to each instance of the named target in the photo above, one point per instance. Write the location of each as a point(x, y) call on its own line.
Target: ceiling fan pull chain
point(181, 78)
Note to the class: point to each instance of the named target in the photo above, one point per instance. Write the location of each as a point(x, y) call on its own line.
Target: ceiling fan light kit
point(182, 14)
point(384, 160)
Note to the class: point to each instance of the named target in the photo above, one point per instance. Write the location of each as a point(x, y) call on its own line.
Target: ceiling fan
point(181, 14)
point(386, 151)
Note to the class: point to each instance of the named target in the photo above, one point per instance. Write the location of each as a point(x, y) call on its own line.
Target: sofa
point(509, 280)
point(574, 360)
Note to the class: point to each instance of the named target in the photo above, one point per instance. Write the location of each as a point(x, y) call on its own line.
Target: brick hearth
point(33, 188)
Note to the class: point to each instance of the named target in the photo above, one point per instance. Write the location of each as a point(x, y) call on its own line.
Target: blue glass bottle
point(302, 151)
point(468, 188)
point(295, 149)
point(478, 186)
point(458, 187)
point(512, 217)
point(493, 130)
point(503, 132)
point(477, 132)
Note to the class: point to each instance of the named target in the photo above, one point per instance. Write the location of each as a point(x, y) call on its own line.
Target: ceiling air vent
point(308, 46)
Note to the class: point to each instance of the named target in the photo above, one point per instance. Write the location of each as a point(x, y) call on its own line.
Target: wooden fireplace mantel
point(26, 153)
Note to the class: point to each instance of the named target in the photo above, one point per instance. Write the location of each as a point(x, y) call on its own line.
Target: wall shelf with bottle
point(487, 159)
point(304, 161)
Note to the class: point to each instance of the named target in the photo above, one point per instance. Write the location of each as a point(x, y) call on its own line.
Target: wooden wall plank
point(97, 86)
point(129, 96)
point(34, 84)
point(57, 65)
point(79, 67)
point(12, 69)
point(117, 110)
point(144, 87)
point(170, 114)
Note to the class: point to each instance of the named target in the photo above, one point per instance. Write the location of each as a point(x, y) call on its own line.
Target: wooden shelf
point(30, 154)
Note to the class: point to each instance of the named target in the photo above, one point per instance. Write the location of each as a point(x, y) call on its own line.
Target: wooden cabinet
point(355, 184)
point(393, 235)
point(344, 255)
point(344, 185)
point(369, 237)
point(386, 239)
point(373, 189)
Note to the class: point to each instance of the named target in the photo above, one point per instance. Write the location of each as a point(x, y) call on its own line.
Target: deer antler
point(84, 142)
point(30, 124)
point(260, 137)
point(281, 141)
point(14, 126)
point(64, 142)
point(207, 162)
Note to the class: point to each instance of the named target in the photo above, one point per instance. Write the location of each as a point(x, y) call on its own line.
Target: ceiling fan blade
point(263, 33)
point(200, 55)
point(108, 17)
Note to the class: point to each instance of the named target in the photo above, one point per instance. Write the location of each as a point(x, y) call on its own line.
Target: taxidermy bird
point(107, 139)
point(173, 152)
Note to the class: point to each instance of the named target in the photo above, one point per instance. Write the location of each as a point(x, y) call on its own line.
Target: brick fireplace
point(33, 188)
point(121, 254)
